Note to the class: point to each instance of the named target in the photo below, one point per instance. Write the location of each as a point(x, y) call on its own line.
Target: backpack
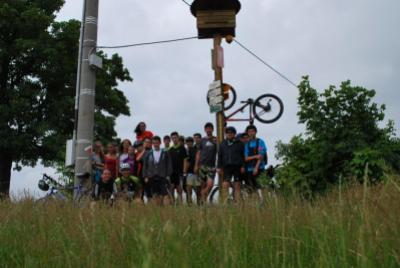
point(255, 152)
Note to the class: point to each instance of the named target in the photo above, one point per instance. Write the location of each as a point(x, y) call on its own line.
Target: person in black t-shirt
point(197, 140)
point(178, 157)
point(231, 162)
point(105, 189)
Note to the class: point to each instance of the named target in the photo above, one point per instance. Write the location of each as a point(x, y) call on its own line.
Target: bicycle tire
point(234, 97)
point(258, 101)
point(213, 199)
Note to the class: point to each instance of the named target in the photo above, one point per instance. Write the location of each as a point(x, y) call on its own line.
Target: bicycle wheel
point(231, 100)
point(268, 108)
point(214, 196)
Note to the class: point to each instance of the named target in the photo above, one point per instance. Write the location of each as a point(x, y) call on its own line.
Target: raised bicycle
point(267, 108)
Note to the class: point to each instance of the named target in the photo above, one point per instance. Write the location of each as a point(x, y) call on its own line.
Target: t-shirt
point(122, 157)
point(156, 155)
point(131, 161)
point(130, 183)
point(138, 166)
point(110, 163)
point(145, 134)
point(208, 151)
point(104, 190)
point(250, 150)
point(192, 159)
point(178, 155)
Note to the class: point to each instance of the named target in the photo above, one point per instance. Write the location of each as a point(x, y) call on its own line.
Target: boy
point(255, 152)
point(157, 167)
point(231, 162)
point(179, 165)
point(206, 161)
point(192, 181)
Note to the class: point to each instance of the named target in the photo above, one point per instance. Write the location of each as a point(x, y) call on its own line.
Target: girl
point(98, 161)
point(142, 133)
point(123, 150)
point(111, 161)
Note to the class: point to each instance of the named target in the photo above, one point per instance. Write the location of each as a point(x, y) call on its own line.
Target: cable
point(257, 57)
point(185, 2)
point(265, 63)
point(149, 43)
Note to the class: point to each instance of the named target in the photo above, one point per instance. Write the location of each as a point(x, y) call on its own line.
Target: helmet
point(230, 129)
point(43, 185)
point(125, 166)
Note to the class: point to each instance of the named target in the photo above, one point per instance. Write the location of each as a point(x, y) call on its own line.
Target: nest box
point(215, 17)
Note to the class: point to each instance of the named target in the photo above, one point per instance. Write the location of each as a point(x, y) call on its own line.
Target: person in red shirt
point(111, 160)
point(142, 133)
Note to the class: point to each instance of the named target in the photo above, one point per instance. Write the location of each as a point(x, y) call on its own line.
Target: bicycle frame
point(228, 118)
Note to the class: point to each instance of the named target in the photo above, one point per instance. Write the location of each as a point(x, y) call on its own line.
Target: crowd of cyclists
point(143, 169)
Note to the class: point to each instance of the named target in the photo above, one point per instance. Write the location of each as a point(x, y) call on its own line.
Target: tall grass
point(355, 227)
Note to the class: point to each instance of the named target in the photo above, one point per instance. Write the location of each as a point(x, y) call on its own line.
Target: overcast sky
point(331, 41)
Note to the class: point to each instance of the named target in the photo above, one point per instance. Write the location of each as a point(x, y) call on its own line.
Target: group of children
point(144, 169)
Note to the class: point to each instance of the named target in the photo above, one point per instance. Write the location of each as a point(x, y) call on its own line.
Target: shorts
point(207, 173)
point(159, 186)
point(176, 180)
point(193, 180)
point(232, 172)
point(252, 180)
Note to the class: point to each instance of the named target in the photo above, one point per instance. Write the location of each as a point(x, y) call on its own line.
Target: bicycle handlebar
point(51, 180)
point(248, 101)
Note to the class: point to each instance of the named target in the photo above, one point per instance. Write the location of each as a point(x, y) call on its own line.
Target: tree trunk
point(5, 174)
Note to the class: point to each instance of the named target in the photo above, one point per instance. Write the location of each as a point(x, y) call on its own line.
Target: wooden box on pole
point(215, 17)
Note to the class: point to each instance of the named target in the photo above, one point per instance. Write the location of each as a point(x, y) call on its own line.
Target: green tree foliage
point(343, 133)
point(37, 81)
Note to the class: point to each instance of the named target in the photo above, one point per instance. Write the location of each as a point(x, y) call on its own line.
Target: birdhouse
point(215, 17)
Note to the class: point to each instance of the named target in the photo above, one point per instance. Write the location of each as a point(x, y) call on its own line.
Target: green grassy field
point(357, 227)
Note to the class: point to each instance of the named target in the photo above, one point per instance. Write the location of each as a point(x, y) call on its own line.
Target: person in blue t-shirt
point(255, 152)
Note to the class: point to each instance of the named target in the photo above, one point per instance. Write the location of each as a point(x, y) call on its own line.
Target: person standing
point(197, 140)
point(167, 142)
point(206, 161)
point(138, 169)
point(178, 155)
point(192, 180)
point(142, 133)
point(123, 150)
point(255, 152)
point(147, 143)
point(231, 163)
point(157, 167)
point(111, 161)
point(130, 159)
point(98, 161)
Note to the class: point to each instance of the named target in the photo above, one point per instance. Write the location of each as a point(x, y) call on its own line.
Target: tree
point(37, 82)
point(342, 135)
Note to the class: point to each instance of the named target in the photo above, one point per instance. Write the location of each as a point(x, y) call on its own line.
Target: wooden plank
point(216, 19)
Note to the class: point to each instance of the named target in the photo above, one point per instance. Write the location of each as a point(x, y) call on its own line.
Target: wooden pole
point(220, 117)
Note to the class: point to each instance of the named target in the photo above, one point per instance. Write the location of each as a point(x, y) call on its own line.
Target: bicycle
point(57, 192)
point(268, 185)
point(245, 192)
point(267, 108)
